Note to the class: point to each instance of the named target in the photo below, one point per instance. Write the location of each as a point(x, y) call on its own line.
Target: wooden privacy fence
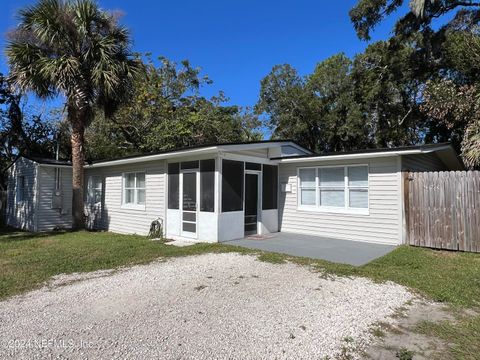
point(442, 209)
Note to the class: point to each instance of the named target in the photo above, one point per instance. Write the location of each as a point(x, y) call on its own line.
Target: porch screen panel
point(207, 185)
point(232, 185)
point(270, 187)
point(173, 186)
point(253, 166)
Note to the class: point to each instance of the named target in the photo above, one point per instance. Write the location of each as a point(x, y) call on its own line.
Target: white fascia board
point(260, 145)
point(298, 147)
point(169, 155)
point(54, 166)
point(246, 158)
point(362, 155)
point(192, 152)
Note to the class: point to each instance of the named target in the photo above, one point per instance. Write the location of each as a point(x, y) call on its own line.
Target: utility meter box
point(57, 199)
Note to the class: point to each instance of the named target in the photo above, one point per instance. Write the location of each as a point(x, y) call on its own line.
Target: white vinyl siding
point(422, 162)
point(20, 206)
point(50, 180)
point(113, 216)
point(382, 222)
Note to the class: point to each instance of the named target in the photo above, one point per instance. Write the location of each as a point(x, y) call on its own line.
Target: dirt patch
point(400, 340)
point(68, 279)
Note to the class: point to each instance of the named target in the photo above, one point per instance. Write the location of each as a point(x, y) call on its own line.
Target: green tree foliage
point(454, 104)
point(367, 14)
point(75, 49)
point(22, 131)
point(387, 88)
point(167, 111)
point(317, 110)
point(440, 68)
point(344, 104)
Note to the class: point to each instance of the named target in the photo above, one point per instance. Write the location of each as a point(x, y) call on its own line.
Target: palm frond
point(75, 48)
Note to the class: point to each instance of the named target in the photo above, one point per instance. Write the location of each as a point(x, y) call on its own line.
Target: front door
point(189, 203)
point(251, 203)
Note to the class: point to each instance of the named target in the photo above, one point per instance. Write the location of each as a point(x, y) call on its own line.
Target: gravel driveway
point(214, 306)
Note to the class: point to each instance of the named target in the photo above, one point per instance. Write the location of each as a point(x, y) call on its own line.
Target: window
point(232, 185)
point(94, 190)
point(332, 187)
point(253, 166)
point(173, 185)
point(189, 165)
point(341, 188)
point(358, 187)
point(270, 187)
point(134, 189)
point(307, 186)
point(21, 188)
point(207, 185)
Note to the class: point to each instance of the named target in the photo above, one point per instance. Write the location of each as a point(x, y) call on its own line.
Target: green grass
point(27, 260)
point(449, 277)
point(463, 336)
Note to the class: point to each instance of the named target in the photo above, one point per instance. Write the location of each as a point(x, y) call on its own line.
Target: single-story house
point(222, 192)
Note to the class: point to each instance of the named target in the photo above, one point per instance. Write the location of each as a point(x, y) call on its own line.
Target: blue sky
point(235, 42)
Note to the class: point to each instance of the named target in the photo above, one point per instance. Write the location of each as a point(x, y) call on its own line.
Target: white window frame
point(346, 209)
point(134, 205)
point(314, 187)
point(90, 188)
point(20, 198)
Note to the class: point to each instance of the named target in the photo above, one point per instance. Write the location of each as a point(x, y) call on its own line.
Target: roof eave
point(366, 155)
point(52, 165)
point(169, 155)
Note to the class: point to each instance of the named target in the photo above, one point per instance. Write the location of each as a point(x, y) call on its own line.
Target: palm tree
point(75, 49)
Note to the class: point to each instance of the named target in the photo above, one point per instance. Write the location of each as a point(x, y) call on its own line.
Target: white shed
point(39, 194)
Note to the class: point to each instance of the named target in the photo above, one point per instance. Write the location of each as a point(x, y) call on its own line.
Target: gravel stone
point(213, 306)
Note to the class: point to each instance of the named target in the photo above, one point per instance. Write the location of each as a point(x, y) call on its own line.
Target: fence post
point(406, 208)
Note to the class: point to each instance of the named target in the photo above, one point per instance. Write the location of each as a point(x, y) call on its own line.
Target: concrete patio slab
point(317, 247)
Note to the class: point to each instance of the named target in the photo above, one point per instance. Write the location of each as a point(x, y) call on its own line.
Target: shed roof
point(47, 161)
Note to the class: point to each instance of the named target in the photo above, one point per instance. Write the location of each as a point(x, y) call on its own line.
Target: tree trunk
point(78, 120)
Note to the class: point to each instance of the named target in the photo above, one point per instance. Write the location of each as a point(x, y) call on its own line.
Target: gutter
point(182, 153)
point(53, 165)
point(364, 155)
